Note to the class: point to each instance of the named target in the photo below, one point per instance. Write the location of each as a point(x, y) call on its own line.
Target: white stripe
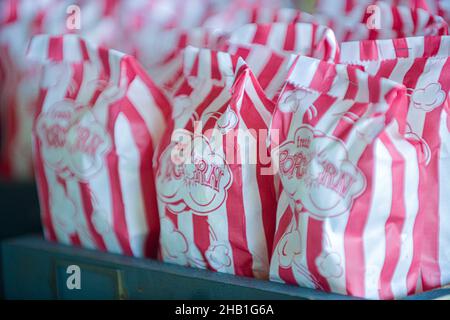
point(71, 48)
point(88, 84)
point(444, 46)
point(244, 34)
point(130, 184)
point(304, 71)
point(444, 202)
point(261, 109)
point(277, 36)
point(380, 208)
point(411, 186)
point(73, 190)
point(304, 41)
point(140, 96)
point(99, 184)
point(277, 81)
point(258, 58)
point(60, 207)
point(416, 117)
point(406, 19)
point(416, 46)
point(256, 240)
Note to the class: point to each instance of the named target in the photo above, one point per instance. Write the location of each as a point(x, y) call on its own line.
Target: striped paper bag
point(99, 119)
point(216, 193)
point(349, 180)
point(422, 64)
point(270, 49)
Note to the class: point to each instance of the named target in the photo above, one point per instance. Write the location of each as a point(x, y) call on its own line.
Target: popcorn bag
point(18, 87)
point(236, 16)
point(216, 204)
point(394, 21)
point(349, 180)
point(307, 39)
point(422, 64)
point(99, 118)
point(270, 49)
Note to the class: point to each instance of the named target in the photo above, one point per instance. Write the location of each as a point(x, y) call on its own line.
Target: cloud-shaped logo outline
point(177, 194)
point(300, 189)
point(429, 97)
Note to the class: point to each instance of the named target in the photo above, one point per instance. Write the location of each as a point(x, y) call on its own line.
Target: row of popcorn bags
point(249, 143)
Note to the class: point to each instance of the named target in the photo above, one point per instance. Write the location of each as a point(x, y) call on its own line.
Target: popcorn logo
point(177, 249)
point(292, 101)
point(197, 182)
point(218, 256)
point(73, 142)
point(428, 98)
point(288, 248)
point(329, 265)
point(315, 171)
point(227, 121)
point(173, 242)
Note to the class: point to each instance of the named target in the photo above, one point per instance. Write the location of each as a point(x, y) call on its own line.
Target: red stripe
point(143, 141)
point(314, 45)
point(172, 217)
point(75, 240)
point(386, 68)
point(322, 104)
point(412, 75)
point(84, 50)
point(261, 34)
point(354, 231)
point(431, 46)
point(55, 49)
point(201, 234)
point(215, 68)
point(344, 128)
point(270, 70)
point(401, 48)
point(397, 23)
point(289, 41)
point(368, 50)
point(237, 230)
point(395, 222)
point(323, 77)
point(118, 207)
point(213, 94)
point(353, 83)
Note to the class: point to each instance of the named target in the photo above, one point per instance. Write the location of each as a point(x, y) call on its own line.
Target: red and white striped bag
point(422, 64)
point(161, 52)
point(395, 21)
point(349, 180)
point(307, 39)
point(18, 87)
point(99, 119)
point(270, 49)
point(216, 206)
point(236, 16)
